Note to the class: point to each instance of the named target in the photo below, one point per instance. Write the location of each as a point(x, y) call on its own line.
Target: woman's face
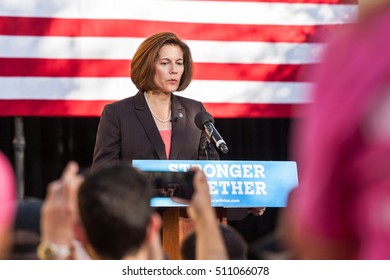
point(169, 68)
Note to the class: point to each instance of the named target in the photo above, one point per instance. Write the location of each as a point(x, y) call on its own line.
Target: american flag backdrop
point(71, 57)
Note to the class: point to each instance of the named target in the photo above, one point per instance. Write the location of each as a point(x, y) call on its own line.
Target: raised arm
point(209, 240)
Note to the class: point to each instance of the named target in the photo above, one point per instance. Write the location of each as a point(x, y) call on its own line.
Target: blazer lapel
point(146, 119)
point(178, 127)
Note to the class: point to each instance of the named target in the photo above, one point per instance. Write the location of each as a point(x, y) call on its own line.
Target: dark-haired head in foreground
point(114, 206)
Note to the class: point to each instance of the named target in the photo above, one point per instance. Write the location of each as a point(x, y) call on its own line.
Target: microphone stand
point(207, 148)
point(19, 143)
point(220, 211)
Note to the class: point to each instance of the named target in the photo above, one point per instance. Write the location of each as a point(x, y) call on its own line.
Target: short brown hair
point(143, 62)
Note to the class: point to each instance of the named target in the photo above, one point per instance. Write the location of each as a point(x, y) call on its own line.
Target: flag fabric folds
point(70, 58)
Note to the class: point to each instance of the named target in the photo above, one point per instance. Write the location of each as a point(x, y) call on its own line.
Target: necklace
point(168, 119)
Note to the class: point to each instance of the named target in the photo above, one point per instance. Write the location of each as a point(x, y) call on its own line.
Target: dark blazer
point(127, 131)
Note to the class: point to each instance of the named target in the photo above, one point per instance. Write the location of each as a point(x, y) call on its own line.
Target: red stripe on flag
point(42, 67)
point(245, 110)
point(25, 26)
point(69, 108)
point(52, 108)
point(34, 67)
point(251, 72)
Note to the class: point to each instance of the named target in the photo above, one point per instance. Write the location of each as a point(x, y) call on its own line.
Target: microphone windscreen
point(201, 118)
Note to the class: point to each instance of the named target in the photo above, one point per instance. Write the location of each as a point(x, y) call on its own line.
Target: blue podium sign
point(234, 183)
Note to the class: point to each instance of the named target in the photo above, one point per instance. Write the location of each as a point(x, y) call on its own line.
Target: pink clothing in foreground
point(344, 191)
point(7, 193)
point(166, 137)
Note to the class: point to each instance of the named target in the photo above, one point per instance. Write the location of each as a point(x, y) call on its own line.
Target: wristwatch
point(52, 251)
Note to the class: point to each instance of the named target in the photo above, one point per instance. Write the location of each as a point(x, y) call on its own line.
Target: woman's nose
point(173, 69)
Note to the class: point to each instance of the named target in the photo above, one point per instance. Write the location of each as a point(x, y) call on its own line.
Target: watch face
point(50, 251)
point(44, 252)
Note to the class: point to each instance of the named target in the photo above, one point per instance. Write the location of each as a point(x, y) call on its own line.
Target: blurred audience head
point(343, 145)
point(7, 205)
point(114, 206)
point(235, 244)
point(26, 235)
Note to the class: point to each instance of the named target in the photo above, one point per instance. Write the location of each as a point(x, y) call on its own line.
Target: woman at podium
point(154, 123)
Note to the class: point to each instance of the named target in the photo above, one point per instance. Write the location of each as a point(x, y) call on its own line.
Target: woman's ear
point(83, 249)
point(153, 238)
point(79, 233)
point(154, 226)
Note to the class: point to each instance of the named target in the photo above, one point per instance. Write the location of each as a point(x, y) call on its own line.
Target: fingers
point(257, 211)
point(59, 210)
point(200, 181)
point(71, 181)
point(62, 193)
point(200, 185)
point(70, 171)
point(200, 204)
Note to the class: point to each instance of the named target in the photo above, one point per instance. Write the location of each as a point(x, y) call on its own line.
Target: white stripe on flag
point(185, 11)
point(119, 88)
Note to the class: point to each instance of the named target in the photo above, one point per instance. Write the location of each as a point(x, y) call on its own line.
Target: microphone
point(204, 121)
point(175, 119)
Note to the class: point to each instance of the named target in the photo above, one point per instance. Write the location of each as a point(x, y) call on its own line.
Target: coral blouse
point(166, 137)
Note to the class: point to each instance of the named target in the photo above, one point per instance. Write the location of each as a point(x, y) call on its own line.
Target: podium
point(232, 184)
